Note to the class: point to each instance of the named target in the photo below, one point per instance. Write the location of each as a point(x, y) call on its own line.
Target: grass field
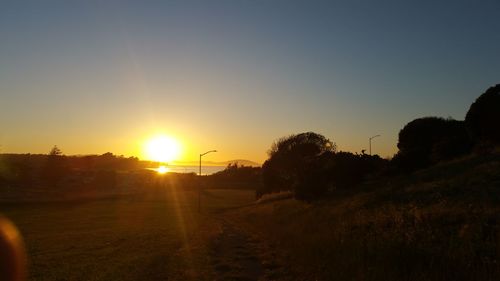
point(442, 223)
point(157, 235)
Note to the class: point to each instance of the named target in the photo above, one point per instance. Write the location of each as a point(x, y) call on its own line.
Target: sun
point(162, 170)
point(162, 149)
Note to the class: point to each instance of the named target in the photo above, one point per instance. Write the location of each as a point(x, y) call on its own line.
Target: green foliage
point(483, 118)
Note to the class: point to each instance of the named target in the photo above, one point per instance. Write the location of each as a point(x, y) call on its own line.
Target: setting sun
point(162, 149)
point(162, 170)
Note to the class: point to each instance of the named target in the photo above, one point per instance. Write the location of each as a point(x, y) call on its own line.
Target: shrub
point(292, 165)
point(483, 118)
point(428, 140)
point(309, 165)
point(347, 170)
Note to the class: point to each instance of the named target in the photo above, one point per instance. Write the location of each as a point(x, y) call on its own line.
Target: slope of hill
point(442, 223)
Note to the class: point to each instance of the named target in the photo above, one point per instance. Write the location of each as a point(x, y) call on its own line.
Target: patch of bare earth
point(237, 255)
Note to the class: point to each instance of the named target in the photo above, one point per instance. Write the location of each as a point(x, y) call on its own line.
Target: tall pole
point(370, 143)
point(199, 187)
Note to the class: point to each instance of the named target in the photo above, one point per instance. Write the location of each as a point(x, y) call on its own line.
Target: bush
point(483, 118)
point(347, 170)
point(309, 166)
point(236, 176)
point(293, 163)
point(429, 140)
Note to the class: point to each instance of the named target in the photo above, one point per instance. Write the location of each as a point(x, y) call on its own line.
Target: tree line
point(55, 168)
point(309, 164)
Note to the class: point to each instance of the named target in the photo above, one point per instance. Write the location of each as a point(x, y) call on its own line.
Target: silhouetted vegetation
point(347, 170)
point(309, 165)
point(57, 176)
point(290, 163)
point(483, 118)
point(429, 140)
point(440, 223)
point(55, 167)
point(236, 176)
point(430, 213)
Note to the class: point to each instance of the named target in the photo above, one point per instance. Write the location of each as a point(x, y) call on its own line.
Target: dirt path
point(238, 255)
point(235, 255)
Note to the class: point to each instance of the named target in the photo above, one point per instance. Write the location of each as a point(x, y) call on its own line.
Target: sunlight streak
point(184, 216)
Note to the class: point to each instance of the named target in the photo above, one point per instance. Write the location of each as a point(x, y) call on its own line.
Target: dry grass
point(155, 236)
point(439, 224)
point(436, 226)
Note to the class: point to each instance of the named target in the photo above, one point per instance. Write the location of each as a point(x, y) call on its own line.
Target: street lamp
point(370, 142)
point(205, 154)
point(199, 188)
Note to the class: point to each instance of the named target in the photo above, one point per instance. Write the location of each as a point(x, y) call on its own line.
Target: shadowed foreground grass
point(442, 223)
point(439, 224)
point(154, 236)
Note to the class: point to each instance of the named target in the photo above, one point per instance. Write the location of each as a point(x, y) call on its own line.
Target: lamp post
point(199, 188)
point(370, 143)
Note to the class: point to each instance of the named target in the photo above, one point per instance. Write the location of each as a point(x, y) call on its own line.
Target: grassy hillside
point(437, 224)
point(159, 235)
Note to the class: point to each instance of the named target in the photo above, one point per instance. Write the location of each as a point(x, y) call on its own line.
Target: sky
point(105, 76)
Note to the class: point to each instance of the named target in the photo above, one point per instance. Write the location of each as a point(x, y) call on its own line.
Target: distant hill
point(242, 162)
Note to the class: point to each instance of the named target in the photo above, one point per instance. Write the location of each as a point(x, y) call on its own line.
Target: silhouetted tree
point(291, 163)
point(55, 168)
point(429, 140)
point(55, 151)
point(271, 179)
point(483, 118)
point(315, 181)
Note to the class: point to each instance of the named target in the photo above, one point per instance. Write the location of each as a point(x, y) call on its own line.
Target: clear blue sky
point(97, 76)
